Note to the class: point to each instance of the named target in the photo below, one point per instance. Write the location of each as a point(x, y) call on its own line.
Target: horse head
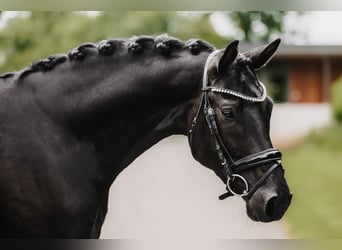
point(230, 131)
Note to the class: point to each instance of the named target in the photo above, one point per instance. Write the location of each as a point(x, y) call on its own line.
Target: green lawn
point(314, 173)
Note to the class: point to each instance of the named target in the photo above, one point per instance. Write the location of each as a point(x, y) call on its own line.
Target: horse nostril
point(271, 207)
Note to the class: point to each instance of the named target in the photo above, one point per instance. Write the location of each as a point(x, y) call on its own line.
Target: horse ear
point(260, 56)
point(228, 56)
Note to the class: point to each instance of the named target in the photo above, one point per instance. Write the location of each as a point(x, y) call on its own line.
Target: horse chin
point(268, 206)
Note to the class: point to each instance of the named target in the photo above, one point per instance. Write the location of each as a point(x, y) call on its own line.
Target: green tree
point(258, 25)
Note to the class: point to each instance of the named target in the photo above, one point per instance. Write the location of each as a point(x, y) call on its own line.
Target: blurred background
point(165, 193)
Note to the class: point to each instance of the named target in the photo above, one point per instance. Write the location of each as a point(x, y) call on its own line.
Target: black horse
point(69, 124)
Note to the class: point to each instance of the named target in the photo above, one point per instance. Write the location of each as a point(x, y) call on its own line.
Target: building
point(302, 74)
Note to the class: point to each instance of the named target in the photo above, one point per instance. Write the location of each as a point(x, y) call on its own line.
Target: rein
point(232, 169)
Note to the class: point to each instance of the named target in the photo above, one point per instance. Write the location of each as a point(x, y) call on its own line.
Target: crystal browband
point(239, 95)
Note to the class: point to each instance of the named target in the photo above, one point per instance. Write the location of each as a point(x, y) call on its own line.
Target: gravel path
point(166, 194)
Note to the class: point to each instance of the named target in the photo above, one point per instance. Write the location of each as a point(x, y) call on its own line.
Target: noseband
point(232, 169)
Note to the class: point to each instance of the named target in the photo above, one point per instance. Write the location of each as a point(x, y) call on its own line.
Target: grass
point(314, 173)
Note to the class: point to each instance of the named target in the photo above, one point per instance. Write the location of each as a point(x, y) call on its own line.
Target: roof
point(304, 51)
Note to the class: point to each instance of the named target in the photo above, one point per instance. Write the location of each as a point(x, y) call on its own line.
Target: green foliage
point(258, 25)
point(336, 99)
point(25, 40)
point(327, 137)
point(314, 173)
point(40, 34)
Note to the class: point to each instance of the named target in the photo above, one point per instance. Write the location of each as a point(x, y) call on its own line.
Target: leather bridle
point(232, 169)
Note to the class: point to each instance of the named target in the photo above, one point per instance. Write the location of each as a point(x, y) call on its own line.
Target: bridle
point(232, 169)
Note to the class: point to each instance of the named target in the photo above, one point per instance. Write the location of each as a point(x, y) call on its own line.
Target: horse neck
point(125, 107)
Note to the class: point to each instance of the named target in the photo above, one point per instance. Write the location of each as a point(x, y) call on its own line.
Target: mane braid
point(81, 51)
point(43, 65)
point(109, 46)
point(138, 44)
point(196, 46)
point(242, 60)
point(162, 44)
point(166, 45)
point(7, 75)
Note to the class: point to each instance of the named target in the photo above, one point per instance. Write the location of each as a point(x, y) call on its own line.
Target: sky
point(306, 28)
point(320, 27)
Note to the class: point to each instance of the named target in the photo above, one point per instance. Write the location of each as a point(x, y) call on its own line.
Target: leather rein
point(232, 169)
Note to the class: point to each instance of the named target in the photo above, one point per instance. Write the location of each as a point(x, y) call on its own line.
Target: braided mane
point(163, 44)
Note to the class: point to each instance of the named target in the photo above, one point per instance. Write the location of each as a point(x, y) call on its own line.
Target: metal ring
point(245, 192)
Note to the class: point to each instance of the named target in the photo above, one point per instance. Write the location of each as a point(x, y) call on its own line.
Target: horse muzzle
point(269, 156)
point(268, 198)
point(268, 205)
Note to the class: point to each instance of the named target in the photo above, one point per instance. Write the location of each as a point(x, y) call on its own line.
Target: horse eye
point(228, 114)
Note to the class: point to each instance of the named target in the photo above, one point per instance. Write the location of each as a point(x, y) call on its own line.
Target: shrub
point(336, 99)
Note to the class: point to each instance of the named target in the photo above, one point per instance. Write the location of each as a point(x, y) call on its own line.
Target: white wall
point(291, 120)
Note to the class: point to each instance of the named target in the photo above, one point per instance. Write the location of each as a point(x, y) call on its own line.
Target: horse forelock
point(162, 44)
point(245, 79)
